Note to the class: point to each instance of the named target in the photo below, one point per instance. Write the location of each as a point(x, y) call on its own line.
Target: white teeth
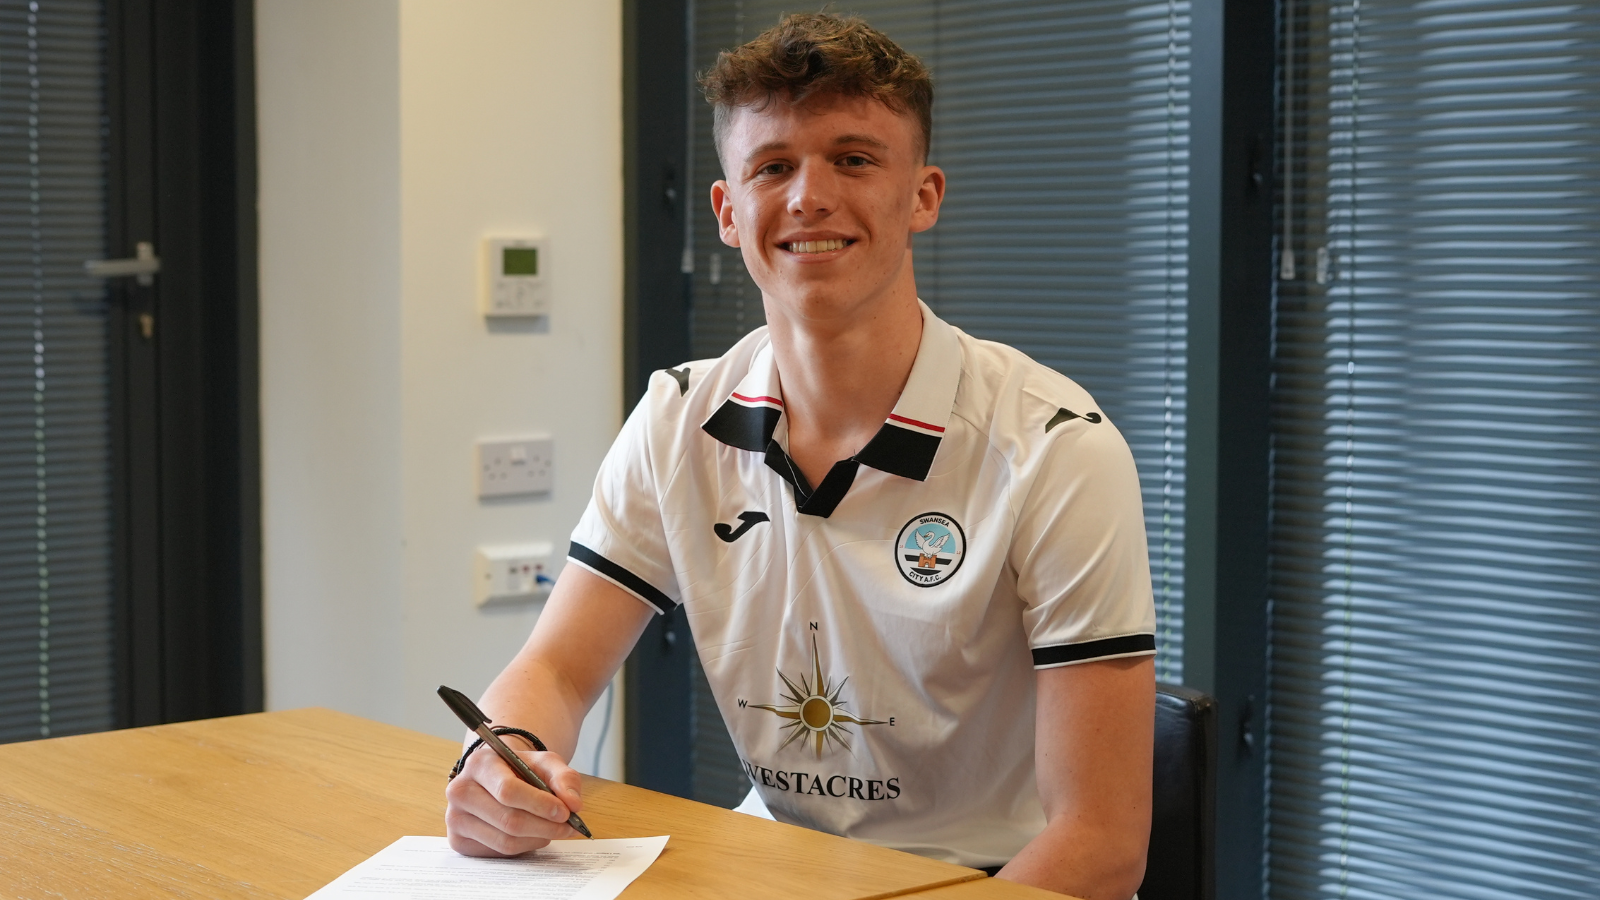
point(814, 246)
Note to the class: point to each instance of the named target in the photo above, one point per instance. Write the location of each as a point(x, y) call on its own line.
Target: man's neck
point(842, 379)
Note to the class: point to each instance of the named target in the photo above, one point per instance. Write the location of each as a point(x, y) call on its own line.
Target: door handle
point(144, 265)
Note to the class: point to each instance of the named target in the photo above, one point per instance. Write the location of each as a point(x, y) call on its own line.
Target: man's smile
point(813, 247)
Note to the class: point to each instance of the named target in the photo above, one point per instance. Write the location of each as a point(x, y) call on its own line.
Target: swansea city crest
point(929, 549)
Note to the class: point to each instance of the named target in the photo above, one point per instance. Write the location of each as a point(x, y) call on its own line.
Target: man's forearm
point(1078, 860)
point(583, 634)
point(1094, 736)
point(532, 696)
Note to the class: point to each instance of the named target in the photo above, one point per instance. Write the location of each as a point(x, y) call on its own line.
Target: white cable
point(605, 726)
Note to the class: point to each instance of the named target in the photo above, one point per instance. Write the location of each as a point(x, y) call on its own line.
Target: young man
point(914, 562)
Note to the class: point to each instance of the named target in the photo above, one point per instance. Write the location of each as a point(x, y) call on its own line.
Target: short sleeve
point(1080, 551)
point(620, 537)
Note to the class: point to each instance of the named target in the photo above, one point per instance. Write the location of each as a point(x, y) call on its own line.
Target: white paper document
point(425, 868)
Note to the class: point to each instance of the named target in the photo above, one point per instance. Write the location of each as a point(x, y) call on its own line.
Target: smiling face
point(822, 199)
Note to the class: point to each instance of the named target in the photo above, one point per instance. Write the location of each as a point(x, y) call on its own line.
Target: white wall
point(328, 131)
point(394, 136)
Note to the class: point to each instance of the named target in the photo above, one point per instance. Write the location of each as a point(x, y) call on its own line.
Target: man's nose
point(811, 192)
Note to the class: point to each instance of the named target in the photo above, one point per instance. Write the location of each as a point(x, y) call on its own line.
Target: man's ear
point(930, 194)
point(722, 206)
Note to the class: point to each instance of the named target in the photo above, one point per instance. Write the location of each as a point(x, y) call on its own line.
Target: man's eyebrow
point(768, 147)
point(839, 141)
point(860, 139)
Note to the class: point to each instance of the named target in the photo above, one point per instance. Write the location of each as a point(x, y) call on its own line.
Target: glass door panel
point(56, 584)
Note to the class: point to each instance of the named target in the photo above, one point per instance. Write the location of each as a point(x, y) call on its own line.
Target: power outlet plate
point(513, 573)
point(514, 467)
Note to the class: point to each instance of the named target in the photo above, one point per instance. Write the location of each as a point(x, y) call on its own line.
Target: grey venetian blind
point(55, 519)
point(1063, 128)
point(1434, 726)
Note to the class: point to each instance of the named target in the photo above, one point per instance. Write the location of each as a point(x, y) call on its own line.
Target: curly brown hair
point(819, 54)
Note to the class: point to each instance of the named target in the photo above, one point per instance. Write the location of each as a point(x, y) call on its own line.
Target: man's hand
point(584, 633)
point(492, 812)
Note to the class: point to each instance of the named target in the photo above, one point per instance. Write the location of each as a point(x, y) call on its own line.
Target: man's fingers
point(504, 791)
point(510, 804)
point(472, 836)
point(468, 847)
point(493, 812)
point(565, 784)
point(510, 790)
point(562, 778)
point(475, 813)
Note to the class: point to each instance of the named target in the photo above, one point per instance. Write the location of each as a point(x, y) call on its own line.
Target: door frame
point(180, 99)
point(657, 686)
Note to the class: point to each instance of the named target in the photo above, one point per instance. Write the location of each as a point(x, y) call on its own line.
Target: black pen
point(473, 717)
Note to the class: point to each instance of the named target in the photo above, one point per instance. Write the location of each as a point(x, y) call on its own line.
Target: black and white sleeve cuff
point(620, 577)
point(1089, 651)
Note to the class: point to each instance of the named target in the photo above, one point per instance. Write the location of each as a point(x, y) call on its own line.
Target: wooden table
point(279, 804)
point(986, 889)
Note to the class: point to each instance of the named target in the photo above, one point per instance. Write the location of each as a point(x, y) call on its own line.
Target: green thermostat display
point(520, 261)
point(516, 276)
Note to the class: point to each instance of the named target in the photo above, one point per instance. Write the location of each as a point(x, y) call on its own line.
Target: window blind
point(1063, 129)
point(1434, 725)
point(55, 519)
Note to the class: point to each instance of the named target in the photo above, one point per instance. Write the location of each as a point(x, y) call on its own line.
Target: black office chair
point(1182, 858)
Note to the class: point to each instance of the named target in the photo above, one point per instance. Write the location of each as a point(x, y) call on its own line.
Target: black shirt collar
point(905, 445)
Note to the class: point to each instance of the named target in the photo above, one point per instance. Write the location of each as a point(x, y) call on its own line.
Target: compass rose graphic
point(815, 708)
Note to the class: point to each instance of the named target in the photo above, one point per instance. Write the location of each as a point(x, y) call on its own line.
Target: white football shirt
point(871, 640)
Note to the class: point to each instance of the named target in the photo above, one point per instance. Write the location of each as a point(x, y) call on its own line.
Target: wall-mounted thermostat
point(516, 277)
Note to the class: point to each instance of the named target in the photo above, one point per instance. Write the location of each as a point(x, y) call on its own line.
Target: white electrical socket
point(517, 466)
point(513, 573)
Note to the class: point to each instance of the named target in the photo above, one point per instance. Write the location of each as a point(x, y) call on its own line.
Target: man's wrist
point(520, 741)
point(502, 732)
